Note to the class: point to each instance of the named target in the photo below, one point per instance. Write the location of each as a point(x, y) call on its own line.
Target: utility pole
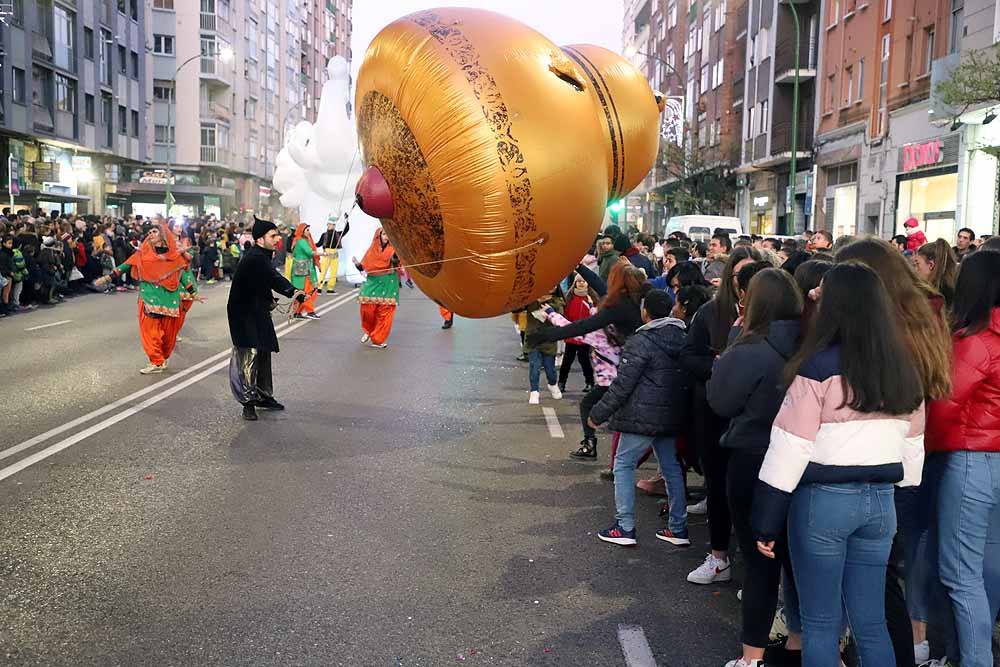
point(795, 123)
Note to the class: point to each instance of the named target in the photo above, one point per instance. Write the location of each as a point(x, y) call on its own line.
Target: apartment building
point(769, 190)
point(228, 78)
point(691, 51)
point(72, 102)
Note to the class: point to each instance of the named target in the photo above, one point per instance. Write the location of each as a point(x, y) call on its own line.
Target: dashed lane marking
point(281, 330)
point(552, 421)
point(50, 324)
point(635, 648)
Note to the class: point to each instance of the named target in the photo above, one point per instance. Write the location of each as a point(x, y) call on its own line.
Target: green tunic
point(303, 252)
point(156, 299)
point(380, 290)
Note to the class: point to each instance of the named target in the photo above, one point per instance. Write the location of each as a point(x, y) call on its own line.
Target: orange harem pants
point(309, 305)
point(158, 335)
point(445, 313)
point(376, 321)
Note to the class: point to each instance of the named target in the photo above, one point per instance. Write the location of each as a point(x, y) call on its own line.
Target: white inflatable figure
point(317, 169)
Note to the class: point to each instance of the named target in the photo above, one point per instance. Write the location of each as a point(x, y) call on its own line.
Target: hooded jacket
point(651, 393)
point(969, 418)
point(746, 386)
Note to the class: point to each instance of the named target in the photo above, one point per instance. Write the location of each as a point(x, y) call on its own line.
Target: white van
point(701, 227)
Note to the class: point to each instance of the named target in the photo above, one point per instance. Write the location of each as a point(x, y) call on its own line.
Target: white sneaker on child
point(711, 571)
point(533, 398)
point(922, 651)
point(555, 391)
point(700, 507)
point(740, 662)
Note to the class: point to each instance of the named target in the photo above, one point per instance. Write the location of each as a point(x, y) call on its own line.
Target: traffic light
point(615, 209)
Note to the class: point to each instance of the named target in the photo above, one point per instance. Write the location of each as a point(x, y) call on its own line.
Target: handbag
point(301, 267)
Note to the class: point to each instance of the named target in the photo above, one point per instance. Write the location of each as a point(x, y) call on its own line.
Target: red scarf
point(378, 259)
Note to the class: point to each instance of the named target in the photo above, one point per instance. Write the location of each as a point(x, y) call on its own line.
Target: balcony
point(788, 76)
point(215, 155)
point(214, 71)
point(781, 145)
point(208, 21)
point(217, 110)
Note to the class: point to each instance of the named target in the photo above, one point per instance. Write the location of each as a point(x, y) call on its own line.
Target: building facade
point(228, 79)
point(692, 52)
point(73, 106)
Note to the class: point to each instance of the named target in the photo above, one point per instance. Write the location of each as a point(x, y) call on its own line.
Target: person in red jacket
point(963, 441)
point(580, 307)
point(914, 237)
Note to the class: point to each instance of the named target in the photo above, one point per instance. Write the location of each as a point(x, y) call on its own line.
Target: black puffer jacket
point(651, 393)
point(747, 387)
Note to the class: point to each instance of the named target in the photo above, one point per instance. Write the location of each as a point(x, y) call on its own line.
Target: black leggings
point(761, 575)
point(590, 399)
point(581, 352)
point(714, 459)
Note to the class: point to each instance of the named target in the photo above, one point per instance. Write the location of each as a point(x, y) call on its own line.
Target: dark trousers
point(581, 352)
point(761, 575)
point(714, 463)
point(590, 399)
point(250, 375)
point(897, 616)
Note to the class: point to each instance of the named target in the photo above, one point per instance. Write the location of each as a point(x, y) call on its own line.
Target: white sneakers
point(711, 571)
point(743, 663)
point(153, 368)
point(365, 338)
point(533, 398)
point(555, 391)
point(922, 651)
point(700, 507)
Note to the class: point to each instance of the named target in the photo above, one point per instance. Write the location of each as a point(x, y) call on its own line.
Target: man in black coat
point(250, 324)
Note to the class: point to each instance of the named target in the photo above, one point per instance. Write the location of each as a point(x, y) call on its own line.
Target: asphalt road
point(408, 508)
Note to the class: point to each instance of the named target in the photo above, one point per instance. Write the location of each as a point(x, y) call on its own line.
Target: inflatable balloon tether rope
point(541, 240)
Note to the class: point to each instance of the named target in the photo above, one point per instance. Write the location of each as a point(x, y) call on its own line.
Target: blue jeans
point(968, 550)
point(839, 537)
point(536, 360)
point(631, 447)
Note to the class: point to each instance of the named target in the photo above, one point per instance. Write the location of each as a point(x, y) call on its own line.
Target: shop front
point(978, 173)
point(927, 186)
point(761, 212)
point(41, 176)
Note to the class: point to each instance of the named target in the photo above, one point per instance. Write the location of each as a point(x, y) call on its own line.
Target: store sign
point(153, 177)
point(919, 155)
point(81, 163)
point(264, 191)
point(45, 171)
point(13, 184)
point(761, 201)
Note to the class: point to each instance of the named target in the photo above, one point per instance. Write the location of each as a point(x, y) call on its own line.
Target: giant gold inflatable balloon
point(492, 153)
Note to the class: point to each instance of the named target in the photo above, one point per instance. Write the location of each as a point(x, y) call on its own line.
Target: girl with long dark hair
point(963, 445)
point(706, 339)
point(936, 264)
point(850, 427)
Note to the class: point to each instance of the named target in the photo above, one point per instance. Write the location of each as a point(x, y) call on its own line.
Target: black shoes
point(249, 413)
point(587, 450)
point(562, 387)
point(270, 404)
point(448, 324)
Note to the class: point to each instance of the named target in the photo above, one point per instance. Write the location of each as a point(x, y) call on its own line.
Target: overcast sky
point(563, 21)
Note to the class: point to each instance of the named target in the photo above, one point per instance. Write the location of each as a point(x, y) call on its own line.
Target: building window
point(65, 94)
point(720, 14)
point(88, 43)
point(163, 91)
point(882, 118)
point(702, 131)
point(249, 108)
point(121, 6)
point(848, 83)
point(861, 79)
point(17, 12)
point(19, 86)
point(672, 13)
point(928, 49)
point(133, 60)
point(88, 108)
point(163, 45)
point(133, 9)
point(105, 51)
point(122, 59)
point(834, 13)
point(762, 118)
point(957, 26)
point(886, 10)
point(163, 134)
point(122, 119)
point(751, 118)
point(163, 4)
point(704, 82)
point(134, 126)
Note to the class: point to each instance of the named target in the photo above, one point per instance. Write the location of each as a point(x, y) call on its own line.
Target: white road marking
point(50, 324)
point(635, 648)
point(281, 330)
point(555, 428)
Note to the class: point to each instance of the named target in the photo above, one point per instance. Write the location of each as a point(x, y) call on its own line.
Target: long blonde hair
point(925, 330)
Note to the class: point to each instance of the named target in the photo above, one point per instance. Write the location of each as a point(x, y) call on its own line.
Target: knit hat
point(911, 222)
point(261, 227)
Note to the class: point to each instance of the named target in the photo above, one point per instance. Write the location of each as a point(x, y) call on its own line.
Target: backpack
point(20, 267)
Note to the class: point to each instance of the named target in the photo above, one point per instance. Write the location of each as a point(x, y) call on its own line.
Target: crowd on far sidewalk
point(47, 257)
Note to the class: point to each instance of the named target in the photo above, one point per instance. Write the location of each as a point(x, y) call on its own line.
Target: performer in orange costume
point(305, 260)
point(447, 316)
point(380, 293)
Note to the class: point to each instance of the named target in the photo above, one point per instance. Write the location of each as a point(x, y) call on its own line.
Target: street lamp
point(225, 55)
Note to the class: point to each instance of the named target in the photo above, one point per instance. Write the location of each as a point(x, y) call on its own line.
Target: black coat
point(747, 387)
point(651, 394)
point(249, 306)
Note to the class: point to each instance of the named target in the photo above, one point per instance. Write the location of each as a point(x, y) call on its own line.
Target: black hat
point(261, 227)
point(658, 303)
